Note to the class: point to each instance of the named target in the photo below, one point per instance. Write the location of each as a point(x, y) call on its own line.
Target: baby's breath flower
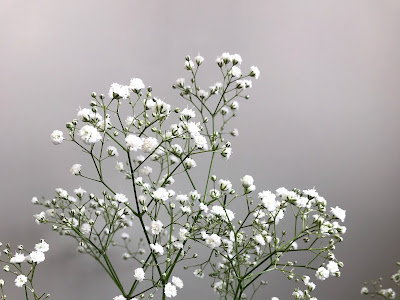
point(57, 137)
point(76, 169)
point(20, 280)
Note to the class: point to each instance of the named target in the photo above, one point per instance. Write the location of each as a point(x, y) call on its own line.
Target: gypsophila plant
point(23, 264)
point(157, 227)
point(374, 288)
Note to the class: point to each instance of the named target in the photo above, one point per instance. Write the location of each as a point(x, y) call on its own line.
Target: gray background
point(324, 112)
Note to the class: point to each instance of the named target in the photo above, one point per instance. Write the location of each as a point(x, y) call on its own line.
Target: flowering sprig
point(23, 264)
point(374, 288)
point(129, 129)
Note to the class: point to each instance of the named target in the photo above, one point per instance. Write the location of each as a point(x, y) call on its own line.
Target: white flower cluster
point(168, 223)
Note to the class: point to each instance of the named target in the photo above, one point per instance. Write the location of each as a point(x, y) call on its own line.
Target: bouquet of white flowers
point(151, 146)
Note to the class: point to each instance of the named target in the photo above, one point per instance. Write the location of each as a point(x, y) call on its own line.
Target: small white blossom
point(20, 280)
point(236, 72)
point(121, 198)
point(119, 166)
point(36, 257)
point(149, 144)
point(212, 240)
point(170, 290)
point(112, 151)
point(322, 273)
point(160, 194)
point(177, 282)
point(17, 258)
point(57, 137)
point(76, 169)
point(42, 246)
point(338, 213)
point(189, 163)
point(156, 227)
point(139, 274)
point(146, 170)
point(157, 248)
point(120, 297)
point(133, 142)
point(136, 84)
point(254, 72)
point(89, 134)
point(247, 181)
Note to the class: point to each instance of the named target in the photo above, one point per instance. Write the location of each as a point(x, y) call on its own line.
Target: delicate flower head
point(212, 240)
point(170, 290)
point(120, 297)
point(139, 274)
point(36, 257)
point(20, 280)
point(338, 213)
point(133, 142)
point(57, 137)
point(322, 273)
point(42, 246)
point(247, 181)
point(156, 227)
point(89, 134)
point(201, 142)
point(189, 163)
point(112, 151)
point(157, 248)
point(136, 84)
point(17, 258)
point(177, 282)
point(76, 169)
point(160, 194)
point(149, 144)
point(236, 72)
point(198, 273)
point(121, 198)
point(254, 72)
point(236, 59)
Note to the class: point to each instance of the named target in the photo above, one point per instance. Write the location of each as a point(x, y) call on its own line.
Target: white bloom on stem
point(183, 234)
point(338, 213)
point(17, 258)
point(254, 72)
point(120, 297)
point(268, 199)
point(133, 142)
point(121, 198)
point(139, 274)
point(189, 65)
point(89, 134)
point(35, 200)
point(76, 169)
point(212, 240)
point(199, 59)
point(203, 207)
point(236, 72)
point(160, 194)
point(20, 280)
point(62, 193)
point(186, 209)
point(187, 113)
point(201, 142)
point(332, 267)
point(180, 82)
point(247, 181)
point(119, 166)
point(118, 89)
point(259, 239)
point(225, 185)
point(149, 144)
point(112, 151)
point(36, 257)
point(226, 152)
point(156, 227)
point(57, 137)
point(136, 84)
point(157, 248)
point(322, 273)
point(86, 228)
point(224, 213)
point(189, 163)
point(146, 170)
point(236, 59)
point(177, 282)
point(42, 246)
point(170, 290)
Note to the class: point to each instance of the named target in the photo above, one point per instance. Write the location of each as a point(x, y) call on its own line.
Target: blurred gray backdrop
point(324, 113)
